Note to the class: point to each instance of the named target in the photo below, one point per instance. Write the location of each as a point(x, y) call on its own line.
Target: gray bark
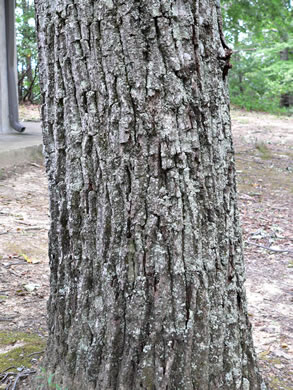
point(145, 246)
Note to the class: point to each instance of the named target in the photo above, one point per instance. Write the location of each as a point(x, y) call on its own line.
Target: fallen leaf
point(263, 354)
point(20, 293)
point(26, 258)
point(29, 260)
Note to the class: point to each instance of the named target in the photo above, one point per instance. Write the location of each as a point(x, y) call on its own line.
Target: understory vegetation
point(261, 35)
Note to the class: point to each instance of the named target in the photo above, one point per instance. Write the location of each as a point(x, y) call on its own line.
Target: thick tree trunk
point(145, 246)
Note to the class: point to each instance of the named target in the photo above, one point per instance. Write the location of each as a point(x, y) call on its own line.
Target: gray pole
point(11, 66)
point(4, 109)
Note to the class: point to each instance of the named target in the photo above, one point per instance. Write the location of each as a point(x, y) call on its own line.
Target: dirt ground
point(264, 156)
point(264, 161)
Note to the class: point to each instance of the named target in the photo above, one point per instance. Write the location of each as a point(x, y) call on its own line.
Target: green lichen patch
point(17, 347)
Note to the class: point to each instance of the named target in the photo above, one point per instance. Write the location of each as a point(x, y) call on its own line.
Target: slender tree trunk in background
point(286, 99)
point(145, 246)
point(240, 79)
point(284, 54)
point(20, 83)
point(30, 79)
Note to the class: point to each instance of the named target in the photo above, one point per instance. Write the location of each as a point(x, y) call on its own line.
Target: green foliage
point(259, 78)
point(261, 34)
point(27, 52)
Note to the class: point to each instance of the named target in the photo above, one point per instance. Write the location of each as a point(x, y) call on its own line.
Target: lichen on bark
point(145, 246)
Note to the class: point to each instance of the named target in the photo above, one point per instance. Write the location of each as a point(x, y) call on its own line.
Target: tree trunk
point(286, 99)
point(145, 246)
point(284, 54)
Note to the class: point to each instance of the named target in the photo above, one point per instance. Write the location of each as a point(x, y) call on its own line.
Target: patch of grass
point(276, 380)
point(290, 264)
point(271, 179)
point(265, 152)
point(270, 360)
point(24, 250)
point(243, 121)
point(19, 356)
point(7, 172)
point(277, 384)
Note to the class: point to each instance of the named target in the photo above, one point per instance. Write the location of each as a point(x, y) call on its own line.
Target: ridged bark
point(145, 246)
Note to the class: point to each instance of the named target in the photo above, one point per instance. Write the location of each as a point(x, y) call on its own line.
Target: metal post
point(4, 108)
point(11, 66)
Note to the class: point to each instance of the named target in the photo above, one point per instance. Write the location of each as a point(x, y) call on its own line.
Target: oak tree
point(145, 246)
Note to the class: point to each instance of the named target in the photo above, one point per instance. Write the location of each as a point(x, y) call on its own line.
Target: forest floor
point(264, 158)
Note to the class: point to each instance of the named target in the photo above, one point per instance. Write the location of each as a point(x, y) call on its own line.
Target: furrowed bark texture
point(145, 246)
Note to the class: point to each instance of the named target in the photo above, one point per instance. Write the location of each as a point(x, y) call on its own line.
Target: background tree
point(145, 245)
point(27, 56)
